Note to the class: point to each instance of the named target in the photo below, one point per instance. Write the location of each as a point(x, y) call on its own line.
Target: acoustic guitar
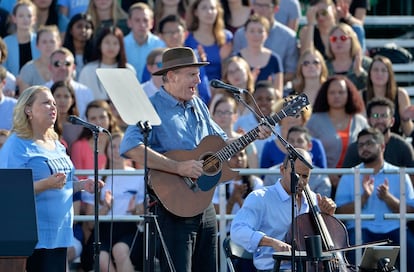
point(186, 197)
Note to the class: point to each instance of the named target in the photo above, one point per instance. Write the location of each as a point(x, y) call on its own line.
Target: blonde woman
point(310, 74)
point(345, 55)
point(34, 144)
point(321, 17)
point(107, 13)
point(236, 71)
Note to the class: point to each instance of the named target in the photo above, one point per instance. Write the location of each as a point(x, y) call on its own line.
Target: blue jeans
point(368, 236)
point(191, 241)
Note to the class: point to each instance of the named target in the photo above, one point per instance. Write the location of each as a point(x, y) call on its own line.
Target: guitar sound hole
point(212, 164)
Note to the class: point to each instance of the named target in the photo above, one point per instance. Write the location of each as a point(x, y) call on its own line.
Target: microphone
point(77, 121)
point(232, 89)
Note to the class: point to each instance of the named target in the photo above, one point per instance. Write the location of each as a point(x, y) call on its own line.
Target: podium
point(18, 232)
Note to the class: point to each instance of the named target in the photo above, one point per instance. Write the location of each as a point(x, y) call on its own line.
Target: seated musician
point(262, 223)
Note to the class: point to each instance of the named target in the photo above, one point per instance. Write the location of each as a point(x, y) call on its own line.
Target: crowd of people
point(358, 117)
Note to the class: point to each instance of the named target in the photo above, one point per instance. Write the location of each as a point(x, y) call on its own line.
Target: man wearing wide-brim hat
point(185, 121)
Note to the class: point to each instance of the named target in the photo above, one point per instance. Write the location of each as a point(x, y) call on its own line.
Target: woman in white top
point(110, 53)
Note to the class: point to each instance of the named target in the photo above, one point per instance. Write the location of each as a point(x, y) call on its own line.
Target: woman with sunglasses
point(36, 72)
point(345, 56)
point(310, 74)
point(321, 18)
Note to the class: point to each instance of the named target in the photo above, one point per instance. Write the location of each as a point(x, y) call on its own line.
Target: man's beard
point(373, 157)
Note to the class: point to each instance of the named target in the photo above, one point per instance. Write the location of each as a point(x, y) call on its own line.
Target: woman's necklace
point(340, 124)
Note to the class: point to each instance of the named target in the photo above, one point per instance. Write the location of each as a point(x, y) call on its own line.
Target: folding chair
point(234, 251)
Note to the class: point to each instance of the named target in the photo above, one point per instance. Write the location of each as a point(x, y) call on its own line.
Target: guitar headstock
point(294, 105)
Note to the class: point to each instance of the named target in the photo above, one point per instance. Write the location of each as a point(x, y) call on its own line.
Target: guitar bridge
point(191, 184)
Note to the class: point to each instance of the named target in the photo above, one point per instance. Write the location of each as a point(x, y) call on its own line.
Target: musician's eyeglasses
point(380, 115)
point(62, 63)
point(370, 143)
point(223, 113)
point(314, 62)
point(341, 38)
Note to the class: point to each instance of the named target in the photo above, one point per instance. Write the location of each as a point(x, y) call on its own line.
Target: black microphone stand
point(96, 244)
point(151, 226)
point(148, 247)
point(294, 178)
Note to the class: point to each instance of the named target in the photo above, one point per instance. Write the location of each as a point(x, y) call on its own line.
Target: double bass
point(317, 223)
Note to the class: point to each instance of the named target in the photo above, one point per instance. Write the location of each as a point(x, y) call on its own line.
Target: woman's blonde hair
point(21, 123)
point(53, 29)
point(243, 63)
point(21, 3)
point(345, 28)
point(117, 13)
point(258, 19)
point(299, 82)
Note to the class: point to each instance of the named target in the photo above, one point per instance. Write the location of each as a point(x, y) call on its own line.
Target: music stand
point(373, 254)
point(134, 108)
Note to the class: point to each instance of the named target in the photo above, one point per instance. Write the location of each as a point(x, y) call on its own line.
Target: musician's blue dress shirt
point(266, 211)
point(183, 125)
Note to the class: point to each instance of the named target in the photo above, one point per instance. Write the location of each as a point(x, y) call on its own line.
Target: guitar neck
point(236, 146)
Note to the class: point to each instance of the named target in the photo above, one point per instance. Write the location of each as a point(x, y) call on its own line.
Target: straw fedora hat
point(178, 57)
